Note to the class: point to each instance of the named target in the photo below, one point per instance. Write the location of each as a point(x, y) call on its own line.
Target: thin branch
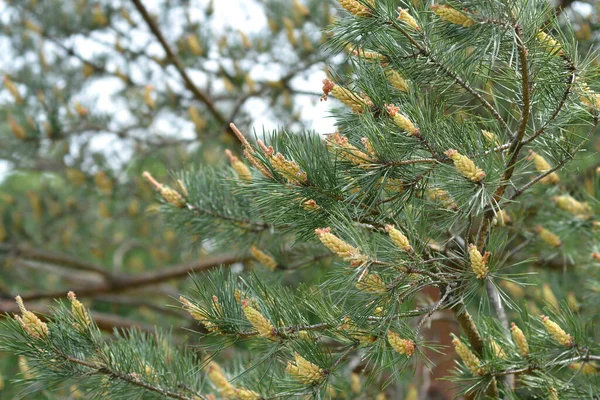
point(131, 379)
point(179, 66)
point(126, 282)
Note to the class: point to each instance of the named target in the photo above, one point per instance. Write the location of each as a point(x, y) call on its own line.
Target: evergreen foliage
point(454, 188)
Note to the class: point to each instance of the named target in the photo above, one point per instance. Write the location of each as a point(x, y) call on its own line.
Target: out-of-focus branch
point(106, 322)
point(119, 283)
point(178, 64)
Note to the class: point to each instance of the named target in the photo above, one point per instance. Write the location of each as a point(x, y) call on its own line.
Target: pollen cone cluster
point(356, 102)
point(398, 238)
point(401, 121)
point(304, 371)
point(478, 262)
point(348, 151)
point(466, 166)
point(258, 321)
point(239, 167)
point(471, 361)
point(356, 8)
point(557, 332)
point(339, 247)
point(519, 339)
point(79, 312)
point(541, 165)
point(263, 258)
point(30, 322)
point(400, 345)
point(171, 196)
point(452, 15)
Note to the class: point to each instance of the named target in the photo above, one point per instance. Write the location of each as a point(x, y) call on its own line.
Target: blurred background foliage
point(91, 99)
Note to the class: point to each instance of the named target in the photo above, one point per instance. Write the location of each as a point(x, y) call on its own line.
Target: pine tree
point(454, 187)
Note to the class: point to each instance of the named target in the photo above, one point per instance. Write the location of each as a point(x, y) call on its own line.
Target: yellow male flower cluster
point(568, 203)
point(17, 129)
point(541, 165)
point(310, 205)
point(287, 168)
point(398, 238)
point(355, 384)
point(371, 56)
point(339, 247)
point(30, 322)
point(549, 237)
point(553, 394)
point(348, 152)
point(587, 368)
point(249, 153)
point(356, 102)
point(368, 146)
point(79, 312)
point(401, 121)
point(304, 371)
point(478, 262)
point(471, 361)
point(497, 350)
point(557, 332)
point(404, 16)
point(198, 314)
point(491, 137)
point(442, 196)
point(397, 80)
point(12, 89)
point(519, 339)
point(452, 15)
point(239, 167)
point(171, 196)
point(263, 258)
point(550, 44)
point(226, 389)
point(548, 295)
point(371, 282)
point(466, 166)
point(588, 97)
point(356, 8)
point(400, 345)
point(258, 321)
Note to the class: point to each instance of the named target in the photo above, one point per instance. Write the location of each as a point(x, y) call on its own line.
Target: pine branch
point(178, 64)
point(125, 282)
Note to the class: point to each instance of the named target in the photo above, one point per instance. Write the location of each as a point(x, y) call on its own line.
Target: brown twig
point(178, 64)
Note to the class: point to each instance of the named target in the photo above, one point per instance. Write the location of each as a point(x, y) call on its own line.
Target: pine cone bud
point(466, 166)
point(30, 322)
point(79, 312)
point(404, 16)
point(471, 361)
point(397, 80)
point(239, 167)
point(400, 345)
point(519, 339)
point(398, 238)
point(541, 165)
point(258, 321)
point(263, 258)
point(549, 237)
point(339, 247)
point(401, 121)
point(304, 371)
point(356, 8)
point(557, 332)
point(452, 15)
point(478, 262)
point(371, 283)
